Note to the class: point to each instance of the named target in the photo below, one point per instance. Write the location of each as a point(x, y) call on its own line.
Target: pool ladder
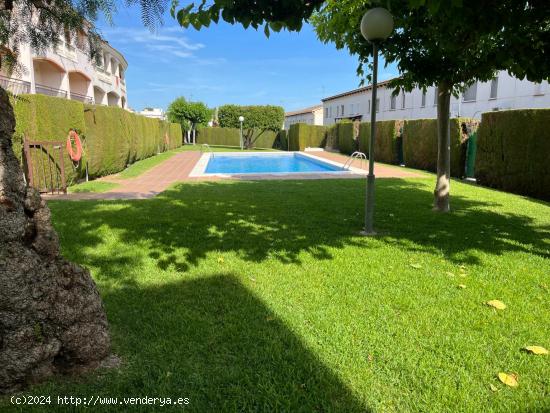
point(206, 148)
point(353, 156)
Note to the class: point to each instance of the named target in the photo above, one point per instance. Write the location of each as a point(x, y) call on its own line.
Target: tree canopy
point(188, 114)
point(448, 44)
point(448, 41)
point(256, 119)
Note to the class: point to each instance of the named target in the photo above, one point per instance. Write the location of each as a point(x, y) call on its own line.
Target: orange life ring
point(74, 136)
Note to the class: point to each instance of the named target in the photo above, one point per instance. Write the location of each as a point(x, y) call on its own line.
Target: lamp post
point(376, 26)
point(241, 119)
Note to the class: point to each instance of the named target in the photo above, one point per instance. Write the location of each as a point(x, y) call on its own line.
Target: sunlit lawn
point(261, 296)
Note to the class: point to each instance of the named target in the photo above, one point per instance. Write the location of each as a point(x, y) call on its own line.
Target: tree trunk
point(51, 316)
point(442, 186)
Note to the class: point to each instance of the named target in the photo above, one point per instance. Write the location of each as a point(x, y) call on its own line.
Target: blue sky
point(227, 64)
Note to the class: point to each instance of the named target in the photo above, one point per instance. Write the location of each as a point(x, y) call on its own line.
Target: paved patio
point(179, 166)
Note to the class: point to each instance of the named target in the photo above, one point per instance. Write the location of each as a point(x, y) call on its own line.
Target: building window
point(368, 107)
point(436, 93)
point(494, 88)
point(423, 104)
point(378, 105)
point(326, 112)
point(470, 94)
point(403, 101)
point(342, 110)
point(351, 112)
point(392, 102)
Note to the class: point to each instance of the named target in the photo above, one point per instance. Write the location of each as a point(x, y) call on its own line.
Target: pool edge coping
point(199, 169)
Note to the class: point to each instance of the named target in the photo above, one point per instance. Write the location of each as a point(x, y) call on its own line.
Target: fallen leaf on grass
point(450, 274)
point(538, 350)
point(416, 266)
point(493, 387)
point(508, 379)
point(499, 305)
point(461, 286)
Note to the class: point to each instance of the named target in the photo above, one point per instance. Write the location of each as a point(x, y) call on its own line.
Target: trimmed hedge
point(116, 138)
point(420, 144)
point(232, 137)
point(45, 118)
point(112, 137)
point(302, 135)
point(346, 137)
point(387, 143)
point(513, 151)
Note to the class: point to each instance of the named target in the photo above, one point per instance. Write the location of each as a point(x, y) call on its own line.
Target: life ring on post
point(73, 136)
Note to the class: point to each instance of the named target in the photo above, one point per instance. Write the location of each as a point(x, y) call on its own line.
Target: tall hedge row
point(232, 136)
point(420, 144)
point(112, 137)
point(45, 118)
point(346, 137)
point(302, 135)
point(386, 145)
point(116, 137)
point(513, 151)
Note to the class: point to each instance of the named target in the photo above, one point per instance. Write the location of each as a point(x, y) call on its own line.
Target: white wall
point(512, 93)
point(311, 118)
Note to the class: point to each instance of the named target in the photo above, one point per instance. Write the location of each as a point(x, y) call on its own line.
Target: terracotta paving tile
point(178, 167)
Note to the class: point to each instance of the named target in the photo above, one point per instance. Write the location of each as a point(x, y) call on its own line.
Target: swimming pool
point(264, 163)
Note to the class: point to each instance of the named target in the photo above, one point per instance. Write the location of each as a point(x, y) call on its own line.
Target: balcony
point(82, 98)
point(15, 86)
point(50, 91)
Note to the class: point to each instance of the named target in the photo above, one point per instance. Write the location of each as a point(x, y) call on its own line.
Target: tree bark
point(442, 186)
point(52, 319)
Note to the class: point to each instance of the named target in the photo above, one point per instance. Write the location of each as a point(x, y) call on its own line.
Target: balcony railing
point(82, 98)
point(50, 91)
point(15, 86)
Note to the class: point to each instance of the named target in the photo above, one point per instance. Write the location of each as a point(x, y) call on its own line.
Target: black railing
point(15, 86)
point(50, 91)
point(82, 98)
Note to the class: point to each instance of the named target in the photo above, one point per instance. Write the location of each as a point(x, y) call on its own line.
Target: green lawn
point(261, 296)
point(92, 186)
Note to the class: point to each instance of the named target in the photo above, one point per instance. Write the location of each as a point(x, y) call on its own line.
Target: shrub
point(420, 144)
point(346, 137)
point(257, 119)
point(332, 137)
point(282, 140)
point(45, 118)
point(302, 135)
point(231, 137)
point(513, 151)
point(387, 144)
point(112, 137)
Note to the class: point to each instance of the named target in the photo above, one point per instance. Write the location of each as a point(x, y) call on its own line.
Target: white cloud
point(174, 45)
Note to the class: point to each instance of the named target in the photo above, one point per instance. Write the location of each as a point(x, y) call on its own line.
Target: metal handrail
point(353, 156)
point(50, 91)
point(15, 86)
point(206, 148)
point(82, 98)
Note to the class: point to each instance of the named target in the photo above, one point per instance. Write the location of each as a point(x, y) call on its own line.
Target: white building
point(155, 113)
point(67, 72)
point(503, 92)
point(311, 116)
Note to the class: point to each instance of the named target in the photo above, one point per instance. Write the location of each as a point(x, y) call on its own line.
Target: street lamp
point(376, 26)
point(241, 119)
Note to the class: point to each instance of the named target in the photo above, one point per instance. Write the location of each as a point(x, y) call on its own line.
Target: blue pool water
point(267, 163)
